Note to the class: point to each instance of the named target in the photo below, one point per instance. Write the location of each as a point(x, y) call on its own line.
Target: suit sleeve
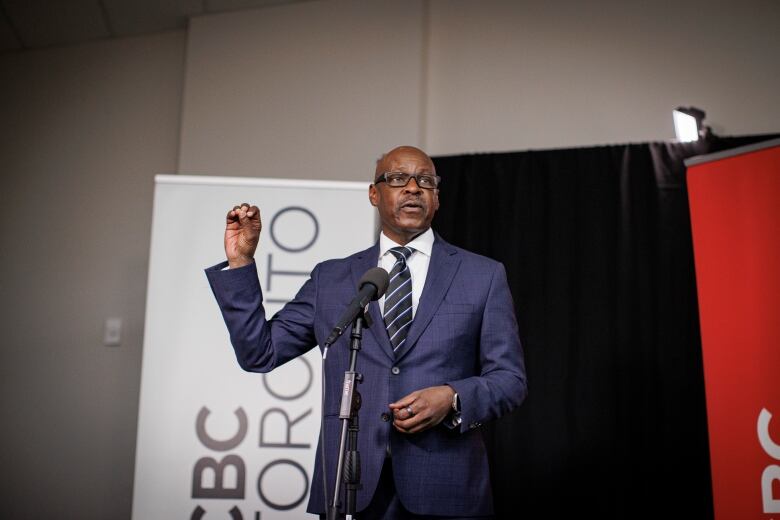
point(501, 385)
point(261, 345)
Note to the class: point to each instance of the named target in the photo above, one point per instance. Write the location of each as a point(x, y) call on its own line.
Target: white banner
point(215, 441)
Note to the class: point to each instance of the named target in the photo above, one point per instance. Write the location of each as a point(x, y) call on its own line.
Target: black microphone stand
point(349, 456)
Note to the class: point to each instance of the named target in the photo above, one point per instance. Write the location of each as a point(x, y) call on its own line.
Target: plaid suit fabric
point(464, 334)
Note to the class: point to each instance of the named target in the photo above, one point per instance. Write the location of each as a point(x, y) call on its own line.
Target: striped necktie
point(398, 302)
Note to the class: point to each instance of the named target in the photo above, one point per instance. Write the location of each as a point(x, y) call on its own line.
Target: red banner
point(735, 215)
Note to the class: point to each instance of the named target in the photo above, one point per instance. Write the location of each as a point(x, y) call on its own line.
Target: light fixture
point(689, 124)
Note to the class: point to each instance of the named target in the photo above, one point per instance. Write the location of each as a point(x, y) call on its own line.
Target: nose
point(412, 188)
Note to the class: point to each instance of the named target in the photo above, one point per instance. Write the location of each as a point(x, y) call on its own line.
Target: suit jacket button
point(395, 370)
point(385, 417)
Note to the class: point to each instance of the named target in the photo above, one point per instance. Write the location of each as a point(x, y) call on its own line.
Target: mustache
point(415, 200)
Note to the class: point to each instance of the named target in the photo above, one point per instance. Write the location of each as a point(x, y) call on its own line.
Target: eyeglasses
point(401, 179)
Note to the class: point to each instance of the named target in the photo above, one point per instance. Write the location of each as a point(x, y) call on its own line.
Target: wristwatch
point(455, 403)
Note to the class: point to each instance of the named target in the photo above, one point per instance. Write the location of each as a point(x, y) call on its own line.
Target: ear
point(373, 195)
point(436, 199)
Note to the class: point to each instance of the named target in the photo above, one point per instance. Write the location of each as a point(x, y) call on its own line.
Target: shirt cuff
point(453, 421)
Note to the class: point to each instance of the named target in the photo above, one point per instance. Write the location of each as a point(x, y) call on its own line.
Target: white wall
point(308, 90)
point(509, 75)
point(318, 89)
point(312, 90)
point(83, 130)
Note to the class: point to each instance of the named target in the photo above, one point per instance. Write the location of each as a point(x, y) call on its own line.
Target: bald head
point(392, 160)
point(404, 211)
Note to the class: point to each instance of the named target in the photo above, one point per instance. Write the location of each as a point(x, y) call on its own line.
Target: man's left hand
point(422, 409)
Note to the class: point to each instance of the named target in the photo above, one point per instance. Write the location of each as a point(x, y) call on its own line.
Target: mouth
point(412, 206)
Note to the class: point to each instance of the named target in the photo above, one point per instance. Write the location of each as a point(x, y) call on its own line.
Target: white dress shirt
point(418, 263)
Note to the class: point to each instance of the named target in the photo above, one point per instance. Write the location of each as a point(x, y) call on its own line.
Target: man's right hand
point(242, 233)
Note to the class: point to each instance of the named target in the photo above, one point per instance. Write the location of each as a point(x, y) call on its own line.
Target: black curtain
point(597, 246)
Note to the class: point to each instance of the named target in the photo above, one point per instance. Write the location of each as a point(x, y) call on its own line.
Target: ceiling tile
point(216, 6)
point(8, 40)
point(41, 23)
point(143, 16)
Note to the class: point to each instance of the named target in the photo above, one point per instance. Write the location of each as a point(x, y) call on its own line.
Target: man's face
point(404, 212)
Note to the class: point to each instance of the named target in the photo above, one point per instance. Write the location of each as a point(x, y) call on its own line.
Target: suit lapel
point(365, 261)
point(441, 270)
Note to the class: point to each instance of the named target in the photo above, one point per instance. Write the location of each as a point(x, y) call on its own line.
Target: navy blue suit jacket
point(464, 335)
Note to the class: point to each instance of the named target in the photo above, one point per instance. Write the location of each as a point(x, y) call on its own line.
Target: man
point(443, 349)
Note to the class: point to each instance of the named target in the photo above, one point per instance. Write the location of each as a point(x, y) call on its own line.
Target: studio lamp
point(689, 124)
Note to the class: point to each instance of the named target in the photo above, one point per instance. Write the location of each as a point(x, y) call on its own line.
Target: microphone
point(371, 287)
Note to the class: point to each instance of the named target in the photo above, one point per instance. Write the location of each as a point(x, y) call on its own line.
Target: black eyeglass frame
point(409, 176)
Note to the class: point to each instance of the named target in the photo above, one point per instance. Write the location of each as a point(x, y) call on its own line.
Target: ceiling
point(34, 24)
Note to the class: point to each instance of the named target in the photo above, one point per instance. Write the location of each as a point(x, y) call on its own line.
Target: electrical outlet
point(112, 333)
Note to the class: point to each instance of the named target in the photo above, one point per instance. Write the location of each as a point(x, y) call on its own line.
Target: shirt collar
point(422, 243)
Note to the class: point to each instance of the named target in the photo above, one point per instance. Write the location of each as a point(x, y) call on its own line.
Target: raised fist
point(242, 232)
